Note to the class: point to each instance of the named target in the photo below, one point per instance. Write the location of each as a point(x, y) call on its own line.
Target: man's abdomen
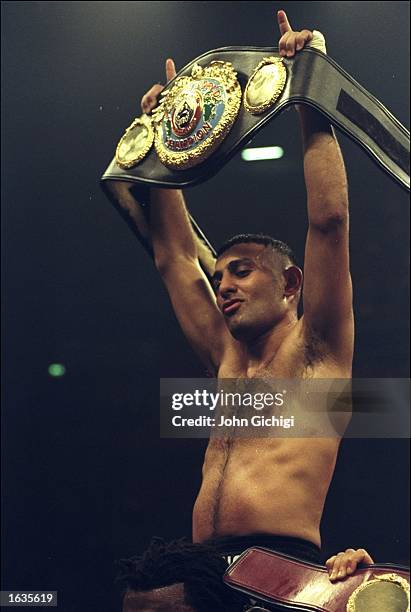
point(264, 486)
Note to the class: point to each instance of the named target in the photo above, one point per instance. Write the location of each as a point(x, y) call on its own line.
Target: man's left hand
point(291, 41)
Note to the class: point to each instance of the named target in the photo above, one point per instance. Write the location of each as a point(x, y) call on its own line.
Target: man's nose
point(227, 287)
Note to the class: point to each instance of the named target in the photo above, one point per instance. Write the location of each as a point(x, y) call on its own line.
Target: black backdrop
point(86, 479)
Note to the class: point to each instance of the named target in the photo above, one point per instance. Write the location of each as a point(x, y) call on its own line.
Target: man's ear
point(293, 281)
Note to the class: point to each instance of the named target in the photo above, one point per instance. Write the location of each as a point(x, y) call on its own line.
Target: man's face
point(164, 599)
point(249, 287)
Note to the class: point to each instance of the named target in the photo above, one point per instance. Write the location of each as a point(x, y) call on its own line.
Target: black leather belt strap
point(313, 79)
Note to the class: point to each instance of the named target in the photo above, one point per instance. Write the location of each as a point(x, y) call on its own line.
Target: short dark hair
point(277, 245)
point(199, 566)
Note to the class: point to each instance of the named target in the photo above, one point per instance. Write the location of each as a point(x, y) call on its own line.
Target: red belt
point(297, 585)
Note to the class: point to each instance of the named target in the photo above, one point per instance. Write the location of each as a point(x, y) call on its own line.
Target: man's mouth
point(231, 307)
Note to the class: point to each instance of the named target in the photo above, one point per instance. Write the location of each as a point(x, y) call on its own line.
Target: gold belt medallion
point(381, 594)
point(265, 85)
point(196, 114)
point(135, 143)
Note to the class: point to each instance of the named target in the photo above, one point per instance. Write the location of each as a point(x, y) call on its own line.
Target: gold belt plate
point(135, 143)
point(196, 114)
point(265, 85)
point(384, 593)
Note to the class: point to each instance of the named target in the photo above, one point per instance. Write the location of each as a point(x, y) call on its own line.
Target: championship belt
point(281, 582)
point(220, 100)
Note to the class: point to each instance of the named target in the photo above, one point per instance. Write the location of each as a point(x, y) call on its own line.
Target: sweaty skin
point(249, 328)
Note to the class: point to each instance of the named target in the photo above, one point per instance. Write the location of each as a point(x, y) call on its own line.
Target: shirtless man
point(249, 328)
point(268, 491)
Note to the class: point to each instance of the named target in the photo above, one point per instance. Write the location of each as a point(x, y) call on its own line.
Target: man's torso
point(272, 485)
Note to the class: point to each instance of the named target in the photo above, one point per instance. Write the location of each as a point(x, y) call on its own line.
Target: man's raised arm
point(176, 258)
point(327, 289)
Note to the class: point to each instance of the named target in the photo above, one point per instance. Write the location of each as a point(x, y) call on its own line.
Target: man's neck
point(263, 348)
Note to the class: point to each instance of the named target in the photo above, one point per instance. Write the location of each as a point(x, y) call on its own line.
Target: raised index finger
point(170, 69)
point(283, 23)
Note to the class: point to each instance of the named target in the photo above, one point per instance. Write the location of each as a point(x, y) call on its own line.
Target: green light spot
point(260, 153)
point(56, 370)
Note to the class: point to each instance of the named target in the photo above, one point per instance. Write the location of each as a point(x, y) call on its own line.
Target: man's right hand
point(345, 563)
point(149, 100)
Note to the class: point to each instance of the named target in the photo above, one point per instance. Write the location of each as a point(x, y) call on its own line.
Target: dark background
point(86, 479)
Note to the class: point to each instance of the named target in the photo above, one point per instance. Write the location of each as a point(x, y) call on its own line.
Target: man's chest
point(297, 357)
